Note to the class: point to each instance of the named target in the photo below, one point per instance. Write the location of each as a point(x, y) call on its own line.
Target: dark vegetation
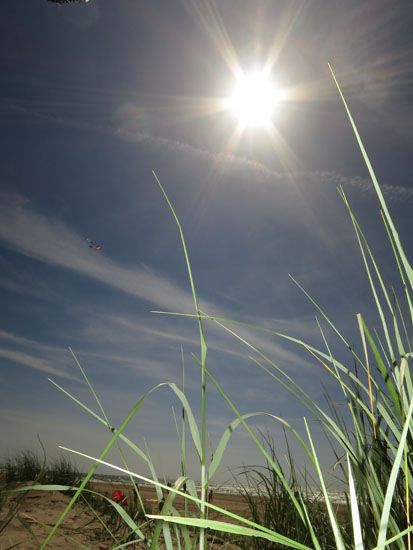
point(28, 466)
point(270, 504)
point(110, 520)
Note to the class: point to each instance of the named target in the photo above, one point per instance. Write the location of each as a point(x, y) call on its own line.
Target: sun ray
point(234, 138)
point(210, 20)
point(288, 159)
point(286, 23)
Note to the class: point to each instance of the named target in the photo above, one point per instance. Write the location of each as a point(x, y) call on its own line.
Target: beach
point(39, 510)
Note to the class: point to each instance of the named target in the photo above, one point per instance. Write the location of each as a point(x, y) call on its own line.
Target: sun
point(254, 100)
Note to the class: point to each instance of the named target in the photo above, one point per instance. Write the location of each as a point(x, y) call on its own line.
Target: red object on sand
point(120, 498)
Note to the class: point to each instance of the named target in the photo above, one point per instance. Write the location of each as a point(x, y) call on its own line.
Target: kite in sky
point(94, 246)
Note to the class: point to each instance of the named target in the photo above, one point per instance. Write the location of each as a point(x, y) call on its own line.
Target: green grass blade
point(360, 237)
point(96, 398)
point(158, 491)
point(191, 489)
point(393, 478)
point(188, 265)
point(100, 520)
point(183, 435)
point(203, 346)
point(406, 265)
point(383, 351)
point(326, 317)
point(396, 255)
point(313, 407)
point(382, 367)
point(310, 526)
point(333, 520)
point(382, 407)
point(190, 417)
point(181, 396)
point(234, 529)
point(220, 322)
point(92, 389)
point(164, 511)
point(397, 537)
point(260, 447)
point(363, 340)
point(358, 540)
point(119, 509)
point(176, 491)
point(400, 313)
point(130, 443)
point(223, 442)
point(92, 470)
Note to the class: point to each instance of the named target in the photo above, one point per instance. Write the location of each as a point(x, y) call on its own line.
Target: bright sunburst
point(254, 100)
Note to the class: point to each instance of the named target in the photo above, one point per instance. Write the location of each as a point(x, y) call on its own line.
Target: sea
point(336, 497)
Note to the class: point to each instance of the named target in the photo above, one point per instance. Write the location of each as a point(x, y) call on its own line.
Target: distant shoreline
point(336, 497)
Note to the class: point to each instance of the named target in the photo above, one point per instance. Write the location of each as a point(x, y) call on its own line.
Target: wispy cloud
point(32, 362)
point(35, 355)
point(150, 336)
point(51, 241)
point(238, 166)
point(235, 165)
point(4, 335)
point(22, 282)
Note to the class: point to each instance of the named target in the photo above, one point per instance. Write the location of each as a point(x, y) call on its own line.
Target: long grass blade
point(405, 262)
point(92, 470)
point(396, 255)
point(355, 514)
point(393, 477)
point(96, 398)
point(167, 506)
point(361, 238)
point(333, 520)
point(176, 491)
point(119, 509)
point(234, 529)
point(382, 367)
point(363, 340)
point(223, 442)
point(203, 346)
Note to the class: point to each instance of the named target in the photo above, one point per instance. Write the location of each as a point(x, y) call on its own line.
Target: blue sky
point(93, 98)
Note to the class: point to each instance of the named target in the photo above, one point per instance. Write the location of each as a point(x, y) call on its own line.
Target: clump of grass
point(23, 466)
point(62, 471)
point(28, 466)
point(270, 505)
point(111, 522)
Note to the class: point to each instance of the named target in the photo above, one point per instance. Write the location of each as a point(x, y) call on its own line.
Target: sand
point(39, 510)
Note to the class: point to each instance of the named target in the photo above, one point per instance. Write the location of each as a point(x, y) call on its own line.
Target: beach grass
point(373, 445)
point(269, 504)
point(27, 465)
point(24, 466)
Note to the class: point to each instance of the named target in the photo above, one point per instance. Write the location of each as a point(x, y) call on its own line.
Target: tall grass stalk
point(203, 351)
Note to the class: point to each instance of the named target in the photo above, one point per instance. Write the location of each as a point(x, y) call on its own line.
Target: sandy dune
point(38, 511)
